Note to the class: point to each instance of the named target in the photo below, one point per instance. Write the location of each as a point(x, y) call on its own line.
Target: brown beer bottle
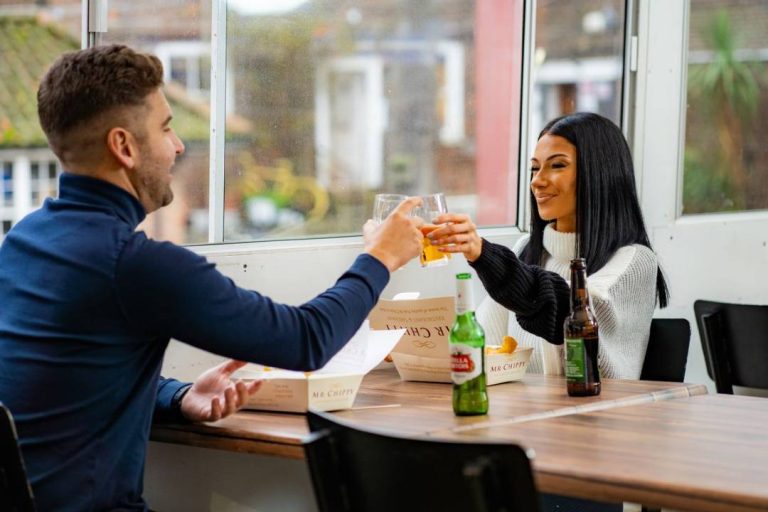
point(581, 339)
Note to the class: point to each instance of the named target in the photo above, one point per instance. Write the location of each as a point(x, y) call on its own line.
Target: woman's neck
point(565, 224)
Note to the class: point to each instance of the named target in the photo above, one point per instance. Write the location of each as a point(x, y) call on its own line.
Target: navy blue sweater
point(87, 307)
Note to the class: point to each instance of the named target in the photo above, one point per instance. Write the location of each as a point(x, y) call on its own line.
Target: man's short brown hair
point(84, 87)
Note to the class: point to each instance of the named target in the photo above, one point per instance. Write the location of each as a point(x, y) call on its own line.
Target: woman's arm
point(539, 298)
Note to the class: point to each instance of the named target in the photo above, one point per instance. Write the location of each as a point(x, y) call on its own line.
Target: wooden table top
point(661, 444)
point(384, 402)
point(704, 453)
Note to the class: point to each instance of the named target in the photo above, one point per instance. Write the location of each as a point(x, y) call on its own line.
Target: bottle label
point(466, 362)
point(575, 360)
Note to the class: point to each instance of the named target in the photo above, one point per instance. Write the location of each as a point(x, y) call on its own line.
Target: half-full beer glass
point(432, 206)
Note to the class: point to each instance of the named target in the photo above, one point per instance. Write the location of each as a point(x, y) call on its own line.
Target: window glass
point(726, 157)
point(578, 61)
point(178, 32)
point(32, 35)
point(332, 102)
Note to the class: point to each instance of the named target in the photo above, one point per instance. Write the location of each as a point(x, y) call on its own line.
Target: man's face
point(158, 147)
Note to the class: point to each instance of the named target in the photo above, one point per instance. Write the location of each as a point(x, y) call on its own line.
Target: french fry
point(508, 345)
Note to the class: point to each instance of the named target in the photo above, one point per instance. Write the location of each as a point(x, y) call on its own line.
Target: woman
point(583, 203)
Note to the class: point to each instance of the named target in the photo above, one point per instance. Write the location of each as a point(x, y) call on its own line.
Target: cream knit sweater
point(623, 295)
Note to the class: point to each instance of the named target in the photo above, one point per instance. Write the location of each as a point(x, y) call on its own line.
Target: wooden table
point(705, 453)
point(417, 408)
point(661, 444)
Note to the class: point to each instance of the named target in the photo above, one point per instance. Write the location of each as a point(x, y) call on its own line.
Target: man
point(87, 304)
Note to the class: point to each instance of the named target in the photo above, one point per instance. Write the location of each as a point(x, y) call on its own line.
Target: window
point(178, 32)
point(327, 104)
point(7, 184)
point(346, 99)
point(7, 206)
point(726, 158)
point(578, 60)
point(316, 106)
point(32, 36)
point(43, 180)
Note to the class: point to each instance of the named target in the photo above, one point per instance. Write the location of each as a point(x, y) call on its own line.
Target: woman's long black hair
point(608, 214)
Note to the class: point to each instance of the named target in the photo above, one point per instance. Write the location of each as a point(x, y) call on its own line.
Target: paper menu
point(427, 323)
point(366, 349)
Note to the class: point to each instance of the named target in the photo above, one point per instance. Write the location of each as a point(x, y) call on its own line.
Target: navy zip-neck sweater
point(87, 307)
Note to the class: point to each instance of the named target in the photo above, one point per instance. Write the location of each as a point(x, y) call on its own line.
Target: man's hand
point(397, 240)
point(214, 395)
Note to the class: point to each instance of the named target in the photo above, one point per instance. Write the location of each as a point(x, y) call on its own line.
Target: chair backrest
point(667, 353)
point(363, 471)
point(15, 492)
point(735, 342)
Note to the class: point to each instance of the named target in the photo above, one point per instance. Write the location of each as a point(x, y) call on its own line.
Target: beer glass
point(384, 204)
point(432, 206)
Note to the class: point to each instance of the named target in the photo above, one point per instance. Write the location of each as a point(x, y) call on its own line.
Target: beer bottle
point(467, 346)
point(581, 339)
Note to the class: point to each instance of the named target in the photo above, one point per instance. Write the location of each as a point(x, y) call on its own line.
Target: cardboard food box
point(331, 388)
point(287, 391)
point(502, 367)
point(422, 353)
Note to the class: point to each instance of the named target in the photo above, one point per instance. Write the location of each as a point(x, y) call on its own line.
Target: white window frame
point(662, 101)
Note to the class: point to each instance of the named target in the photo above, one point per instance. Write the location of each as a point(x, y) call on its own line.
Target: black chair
point(735, 342)
point(363, 471)
point(667, 353)
point(15, 492)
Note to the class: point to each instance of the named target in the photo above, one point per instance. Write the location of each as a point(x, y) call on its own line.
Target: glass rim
point(391, 196)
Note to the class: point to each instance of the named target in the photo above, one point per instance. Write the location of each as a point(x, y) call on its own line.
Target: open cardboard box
point(422, 353)
point(507, 367)
point(331, 388)
point(498, 367)
point(287, 391)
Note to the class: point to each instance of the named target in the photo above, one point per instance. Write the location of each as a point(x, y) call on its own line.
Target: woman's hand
point(457, 233)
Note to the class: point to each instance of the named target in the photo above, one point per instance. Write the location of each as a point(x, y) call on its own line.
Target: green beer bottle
point(467, 346)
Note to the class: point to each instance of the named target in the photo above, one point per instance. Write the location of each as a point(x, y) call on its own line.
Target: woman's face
point(553, 181)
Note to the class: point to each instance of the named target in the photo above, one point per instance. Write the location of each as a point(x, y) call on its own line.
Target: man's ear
point(123, 147)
